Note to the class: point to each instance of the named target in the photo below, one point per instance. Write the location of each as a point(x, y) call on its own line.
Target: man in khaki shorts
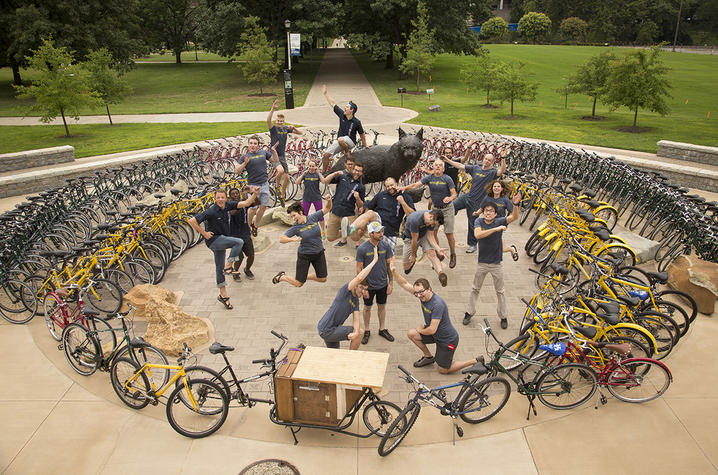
point(443, 194)
point(349, 196)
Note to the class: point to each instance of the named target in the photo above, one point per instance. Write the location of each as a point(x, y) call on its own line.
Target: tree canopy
point(257, 55)
point(590, 77)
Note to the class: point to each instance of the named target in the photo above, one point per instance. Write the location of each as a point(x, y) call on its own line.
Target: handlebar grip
point(278, 335)
point(525, 302)
point(404, 371)
point(486, 322)
point(259, 361)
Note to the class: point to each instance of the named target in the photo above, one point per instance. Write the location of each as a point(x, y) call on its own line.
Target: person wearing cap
point(349, 126)
point(379, 279)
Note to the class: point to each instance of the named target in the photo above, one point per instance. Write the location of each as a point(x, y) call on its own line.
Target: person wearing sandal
point(307, 232)
point(380, 282)
point(437, 328)
point(331, 327)
point(489, 231)
point(239, 226)
point(217, 236)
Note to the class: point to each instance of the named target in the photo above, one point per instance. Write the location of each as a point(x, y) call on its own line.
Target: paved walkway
point(57, 421)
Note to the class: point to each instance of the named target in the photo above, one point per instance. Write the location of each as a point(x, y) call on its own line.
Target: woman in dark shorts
point(497, 192)
point(311, 196)
point(306, 231)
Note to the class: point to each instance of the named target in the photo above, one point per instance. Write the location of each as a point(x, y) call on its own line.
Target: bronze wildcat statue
point(383, 161)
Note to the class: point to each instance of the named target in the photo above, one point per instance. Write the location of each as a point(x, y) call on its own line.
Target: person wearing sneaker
point(255, 162)
point(239, 227)
point(379, 279)
point(388, 207)
point(349, 127)
point(480, 177)
point(311, 196)
point(331, 327)
point(420, 230)
point(437, 328)
point(311, 248)
point(489, 231)
point(348, 196)
point(278, 132)
point(498, 192)
point(443, 193)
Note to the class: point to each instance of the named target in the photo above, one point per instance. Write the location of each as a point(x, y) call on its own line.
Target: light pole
point(288, 25)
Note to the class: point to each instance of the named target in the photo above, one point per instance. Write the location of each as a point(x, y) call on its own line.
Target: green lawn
point(187, 56)
point(91, 140)
point(165, 87)
point(693, 98)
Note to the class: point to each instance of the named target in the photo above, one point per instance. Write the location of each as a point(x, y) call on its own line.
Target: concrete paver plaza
point(55, 420)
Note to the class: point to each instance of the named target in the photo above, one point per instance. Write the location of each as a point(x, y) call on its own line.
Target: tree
point(534, 26)
point(419, 52)
point(638, 81)
point(574, 28)
point(494, 28)
point(647, 33)
point(513, 85)
point(483, 75)
point(220, 26)
point(258, 64)
point(590, 77)
point(480, 11)
point(60, 87)
point(104, 79)
point(175, 22)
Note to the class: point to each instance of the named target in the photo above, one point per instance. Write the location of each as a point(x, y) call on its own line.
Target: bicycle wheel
point(197, 410)
point(203, 372)
point(607, 214)
point(148, 354)
point(17, 302)
point(81, 349)
point(638, 380)
point(662, 331)
point(681, 298)
point(484, 399)
point(133, 393)
point(566, 386)
point(118, 277)
point(105, 333)
point(398, 429)
point(104, 296)
point(141, 270)
point(54, 316)
point(675, 312)
point(638, 333)
point(379, 415)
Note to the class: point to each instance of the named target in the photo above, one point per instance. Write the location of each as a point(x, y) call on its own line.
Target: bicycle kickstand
point(294, 432)
point(600, 397)
point(457, 430)
point(532, 406)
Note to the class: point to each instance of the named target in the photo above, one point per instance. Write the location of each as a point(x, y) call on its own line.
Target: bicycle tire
point(563, 380)
point(203, 372)
point(608, 214)
point(122, 279)
point(54, 316)
point(104, 296)
point(399, 428)
point(636, 332)
point(644, 378)
point(105, 333)
point(491, 393)
point(135, 393)
point(379, 415)
point(661, 331)
point(141, 270)
point(674, 311)
point(681, 296)
point(81, 349)
point(18, 304)
point(213, 408)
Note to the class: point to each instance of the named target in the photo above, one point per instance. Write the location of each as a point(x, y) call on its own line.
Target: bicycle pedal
point(603, 400)
point(459, 431)
point(60, 347)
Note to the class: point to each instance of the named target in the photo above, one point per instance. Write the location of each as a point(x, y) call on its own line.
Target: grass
point(187, 56)
point(165, 87)
point(91, 140)
point(693, 98)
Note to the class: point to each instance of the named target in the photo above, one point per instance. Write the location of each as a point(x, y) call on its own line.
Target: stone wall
point(36, 158)
point(688, 152)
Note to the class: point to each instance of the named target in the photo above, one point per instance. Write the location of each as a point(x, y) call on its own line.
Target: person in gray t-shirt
point(278, 132)
point(437, 328)
point(308, 234)
point(255, 162)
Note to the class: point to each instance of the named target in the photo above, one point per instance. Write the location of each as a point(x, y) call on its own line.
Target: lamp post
point(288, 89)
point(288, 25)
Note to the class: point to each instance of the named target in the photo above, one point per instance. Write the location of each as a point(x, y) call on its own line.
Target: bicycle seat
point(575, 187)
point(218, 348)
point(90, 313)
point(592, 203)
point(159, 195)
point(603, 234)
point(586, 215)
point(610, 318)
point(589, 192)
point(103, 226)
point(139, 343)
point(630, 301)
point(101, 236)
point(559, 268)
point(478, 368)
point(588, 332)
point(660, 277)
point(175, 191)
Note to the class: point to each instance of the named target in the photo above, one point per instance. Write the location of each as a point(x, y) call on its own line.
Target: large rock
point(168, 326)
point(696, 277)
point(268, 216)
point(280, 214)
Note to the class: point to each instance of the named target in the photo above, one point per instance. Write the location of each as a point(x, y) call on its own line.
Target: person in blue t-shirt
point(308, 234)
point(348, 197)
point(311, 196)
point(239, 227)
point(480, 177)
point(255, 162)
point(349, 126)
point(437, 328)
point(498, 193)
point(218, 236)
point(278, 132)
point(331, 326)
point(488, 231)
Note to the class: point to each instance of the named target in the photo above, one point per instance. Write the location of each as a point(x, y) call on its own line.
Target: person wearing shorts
point(255, 162)
point(420, 231)
point(348, 196)
point(349, 126)
point(307, 233)
point(331, 327)
point(437, 328)
point(278, 132)
point(443, 194)
point(239, 227)
point(311, 196)
point(380, 281)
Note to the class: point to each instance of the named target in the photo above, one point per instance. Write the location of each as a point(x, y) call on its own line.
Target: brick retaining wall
point(36, 158)
point(688, 152)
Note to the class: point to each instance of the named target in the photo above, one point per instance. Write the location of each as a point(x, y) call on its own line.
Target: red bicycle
point(60, 311)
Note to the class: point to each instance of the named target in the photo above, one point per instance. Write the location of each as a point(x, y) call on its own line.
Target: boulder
point(261, 241)
point(696, 277)
point(140, 294)
point(268, 216)
point(280, 214)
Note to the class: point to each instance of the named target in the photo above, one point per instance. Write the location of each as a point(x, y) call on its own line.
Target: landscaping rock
point(280, 214)
point(698, 278)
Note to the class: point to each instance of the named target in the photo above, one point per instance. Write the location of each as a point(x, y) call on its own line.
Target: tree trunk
point(107, 106)
point(389, 64)
point(64, 121)
point(565, 103)
point(488, 91)
point(178, 56)
point(593, 111)
point(512, 107)
point(635, 116)
point(417, 80)
point(16, 79)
